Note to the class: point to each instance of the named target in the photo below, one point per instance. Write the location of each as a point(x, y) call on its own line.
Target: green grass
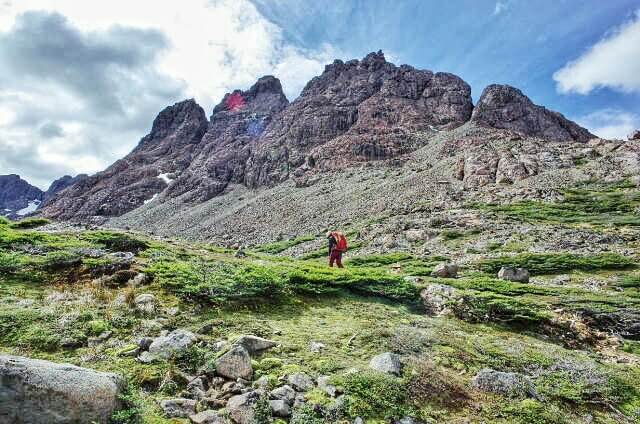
point(281, 246)
point(550, 263)
point(599, 205)
point(29, 223)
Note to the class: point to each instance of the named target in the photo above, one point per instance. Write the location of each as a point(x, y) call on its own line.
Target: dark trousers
point(335, 256)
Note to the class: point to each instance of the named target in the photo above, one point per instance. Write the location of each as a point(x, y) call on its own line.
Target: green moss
point(376, 260)
point(116, 241)
point(97, 327)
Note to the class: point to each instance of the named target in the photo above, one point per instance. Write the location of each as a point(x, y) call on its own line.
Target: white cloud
point(611, 123)
point(501, 6)
point(613, 62)
point(210, 47)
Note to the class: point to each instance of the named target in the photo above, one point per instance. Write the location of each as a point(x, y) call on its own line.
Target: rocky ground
point(511, 313)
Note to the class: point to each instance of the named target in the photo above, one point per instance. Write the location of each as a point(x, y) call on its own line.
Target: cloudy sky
point(81, 81)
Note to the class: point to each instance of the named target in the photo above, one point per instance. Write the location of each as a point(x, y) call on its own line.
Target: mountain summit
point(366, 112)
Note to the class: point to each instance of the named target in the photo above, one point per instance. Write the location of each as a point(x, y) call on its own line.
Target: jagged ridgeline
point(491, 275)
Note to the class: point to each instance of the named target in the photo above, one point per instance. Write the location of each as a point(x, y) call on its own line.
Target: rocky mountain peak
point(60, 184)
point(265, 97)
point(186, 120)
point(506, 107)
point(635, 135)
point(17, 196)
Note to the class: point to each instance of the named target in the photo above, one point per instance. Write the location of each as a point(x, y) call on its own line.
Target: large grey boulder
point(35, 391)
point(254, 344)
point(300, 381)
point(505, 383)
point(178, 408)
point(234, 364)
point(445, 271)
point(388, 363)
point(208, 417)
point(166, 347)
point(438, 298)
point(519, 275)
point(280, 408)
point(285, 393)
point(242, 407)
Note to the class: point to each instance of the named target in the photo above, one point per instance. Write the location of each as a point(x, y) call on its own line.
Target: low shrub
point(10, 263)
point(373, 395)
point(30, 223)
point(117, 241)
point(550, 263)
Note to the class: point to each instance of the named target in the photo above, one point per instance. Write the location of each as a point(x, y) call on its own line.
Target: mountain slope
point(361, 113)
point(18, 197)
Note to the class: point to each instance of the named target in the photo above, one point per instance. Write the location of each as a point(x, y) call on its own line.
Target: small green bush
point(30, 223)
point(97, 327)
point(117, 241)
point(373, 395)
point(10, 263)
point(550, 263)
point(373, 260)
point(39, 338)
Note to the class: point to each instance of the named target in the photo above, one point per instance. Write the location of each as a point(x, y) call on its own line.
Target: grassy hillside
point(66, 297)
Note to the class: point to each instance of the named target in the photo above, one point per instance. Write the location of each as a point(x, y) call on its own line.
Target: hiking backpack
point(341, 242)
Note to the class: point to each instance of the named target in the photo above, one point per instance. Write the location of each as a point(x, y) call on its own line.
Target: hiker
point(337, 246)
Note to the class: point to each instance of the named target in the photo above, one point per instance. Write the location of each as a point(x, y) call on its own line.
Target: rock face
point(504, 383)
point(366, 112)
point(18, 197)
point(388, 363)
point(635, 135)
point(503, 106)
point(234, 364)
point(142, 174)
point(60, 184)
point(519, 275)
point(35, 391)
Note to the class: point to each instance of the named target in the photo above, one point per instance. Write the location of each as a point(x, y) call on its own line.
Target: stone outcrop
point(503, 106)
point(60, 184)
point(142, 174)
point(18, 197)
point(35, 391)
point(634, 135)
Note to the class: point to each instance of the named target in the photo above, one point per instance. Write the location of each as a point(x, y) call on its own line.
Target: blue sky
point(81, 81)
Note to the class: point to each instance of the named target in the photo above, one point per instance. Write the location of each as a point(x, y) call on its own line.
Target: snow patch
point(434, 128)
point(152, 199)
point(165, 178)
point(31, 207)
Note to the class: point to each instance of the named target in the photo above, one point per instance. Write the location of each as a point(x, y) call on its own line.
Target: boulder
point(508, 273)
point(280, 408)
point(635, 135)
point(438, 298)
point(36, 391)
point(285, 393)
point(208, 417)
point(145, 302)
point(234, 364)
point(178, 408)
point(255, 344)
point(165, 347)
point(388, 363)
point(324, 384)
point(316, 347)
point(445, 271)
point(300, 381)
point(504, 383)
point(241, 408)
